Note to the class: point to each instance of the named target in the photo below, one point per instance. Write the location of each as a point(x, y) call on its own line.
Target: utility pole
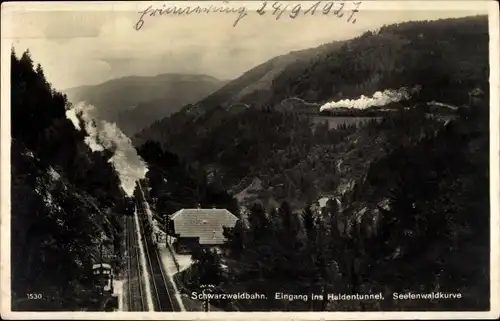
point(100, 251)
point(207, 290)
point(167, 232)
point(207, 305)
point(101, 286)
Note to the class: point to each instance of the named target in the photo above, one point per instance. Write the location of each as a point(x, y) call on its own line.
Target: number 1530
point(34, 296)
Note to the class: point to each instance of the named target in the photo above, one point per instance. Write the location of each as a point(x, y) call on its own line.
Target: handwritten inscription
point(151, 11)
point(277, 9)
point(338, 9)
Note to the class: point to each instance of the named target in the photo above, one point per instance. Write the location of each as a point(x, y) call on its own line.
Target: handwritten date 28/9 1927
point(336, 8)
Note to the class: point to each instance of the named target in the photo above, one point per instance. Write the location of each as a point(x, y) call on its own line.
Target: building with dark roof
point(200, 227)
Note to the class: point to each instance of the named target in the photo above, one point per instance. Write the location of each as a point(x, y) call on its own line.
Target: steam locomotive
point(129, 206)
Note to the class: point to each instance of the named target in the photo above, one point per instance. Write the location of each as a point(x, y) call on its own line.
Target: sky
point(84, 46)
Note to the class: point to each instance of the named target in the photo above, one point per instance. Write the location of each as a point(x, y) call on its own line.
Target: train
point(129, 206)
point(105, 295)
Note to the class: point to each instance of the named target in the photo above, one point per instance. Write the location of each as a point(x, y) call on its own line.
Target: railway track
point(135, 288)
point(159, 281)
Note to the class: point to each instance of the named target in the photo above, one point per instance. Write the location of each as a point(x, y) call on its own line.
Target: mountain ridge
point(441, 56)
point(133, 102)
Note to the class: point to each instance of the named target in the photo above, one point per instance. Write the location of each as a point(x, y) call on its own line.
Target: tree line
point(176, 183)
point(65, 198)
point(405, 226)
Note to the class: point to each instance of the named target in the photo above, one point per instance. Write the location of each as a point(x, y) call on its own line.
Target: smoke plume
point(104, 135)
point(380, 98)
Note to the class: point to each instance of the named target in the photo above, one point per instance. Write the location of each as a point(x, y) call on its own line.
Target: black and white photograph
point(293, 159)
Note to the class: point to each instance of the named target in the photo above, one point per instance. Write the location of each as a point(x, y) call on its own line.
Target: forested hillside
point(240, 142)
point(406, 226)
point(176, 184)
point(411, 207)
point(444, 57)
point(66, 200)
point(136, 102)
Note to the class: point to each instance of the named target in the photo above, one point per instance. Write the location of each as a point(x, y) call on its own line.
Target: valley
point(381, 162)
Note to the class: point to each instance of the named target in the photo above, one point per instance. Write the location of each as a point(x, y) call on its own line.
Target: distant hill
point(135, 102)
point(255, 85)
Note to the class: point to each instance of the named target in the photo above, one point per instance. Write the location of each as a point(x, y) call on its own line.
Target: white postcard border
point(6, 313)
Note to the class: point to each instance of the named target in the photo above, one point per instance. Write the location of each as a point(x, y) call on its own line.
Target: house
point(321, 203)
point(200, 226)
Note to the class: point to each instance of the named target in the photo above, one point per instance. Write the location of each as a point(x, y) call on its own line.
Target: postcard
point(250, 160)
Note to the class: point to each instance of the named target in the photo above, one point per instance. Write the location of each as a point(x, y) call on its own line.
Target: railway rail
point(159, 280)
point(135, 287)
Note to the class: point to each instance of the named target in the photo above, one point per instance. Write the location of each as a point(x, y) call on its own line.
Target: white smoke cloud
point(380, 98)
point(104, 135)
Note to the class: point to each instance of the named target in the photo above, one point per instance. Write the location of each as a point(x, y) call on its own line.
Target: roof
point(324, 200)
point(101, 265)
point(476, 92)
point(250, 190)
point(207, 224)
